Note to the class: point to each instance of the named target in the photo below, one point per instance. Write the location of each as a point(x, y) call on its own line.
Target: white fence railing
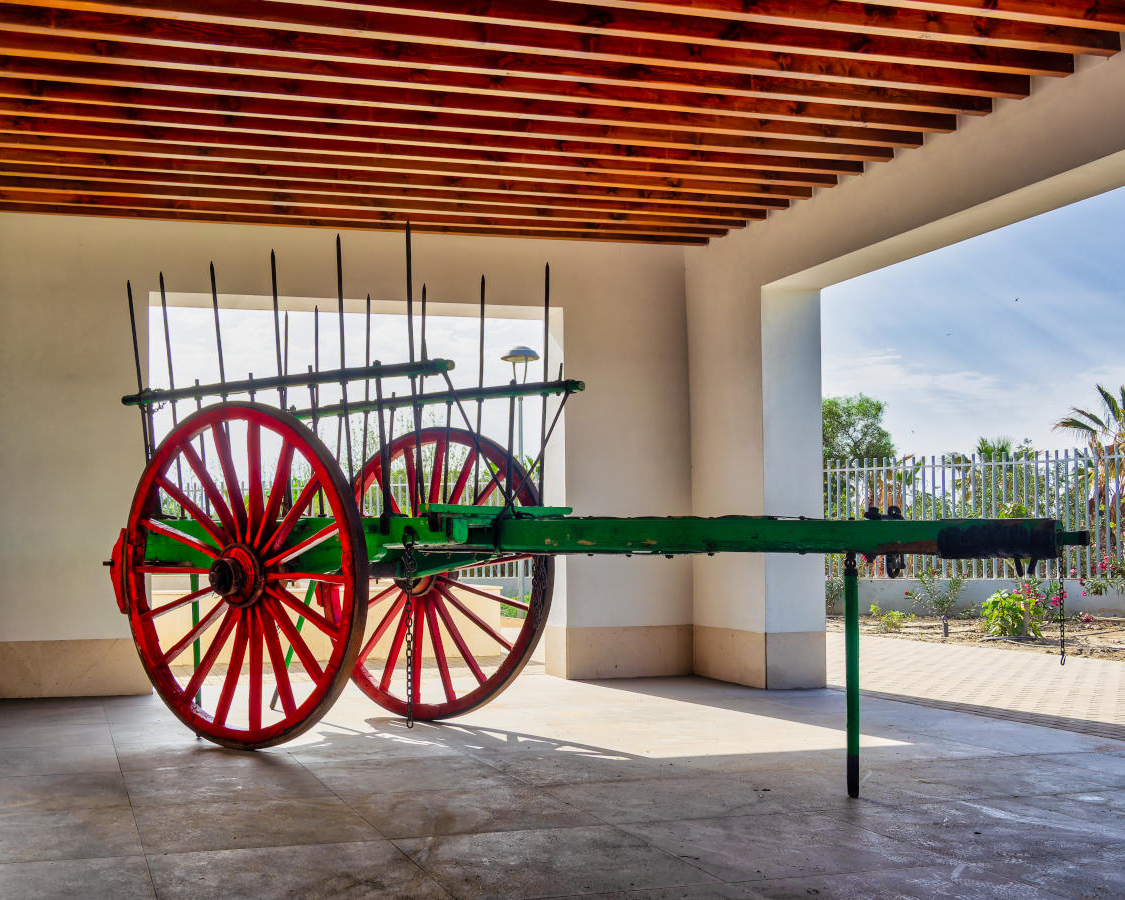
point(1081, 488)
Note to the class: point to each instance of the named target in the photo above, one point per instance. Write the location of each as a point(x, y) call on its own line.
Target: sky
point(1000, 334)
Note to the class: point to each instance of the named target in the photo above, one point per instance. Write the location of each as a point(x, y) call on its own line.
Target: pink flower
point(1083, 593)
point(1054, 601)
point(1073, 572)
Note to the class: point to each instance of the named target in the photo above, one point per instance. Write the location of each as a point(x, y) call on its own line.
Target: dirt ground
point(1101, 639)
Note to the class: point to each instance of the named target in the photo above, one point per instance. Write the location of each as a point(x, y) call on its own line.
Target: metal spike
point(366, 386)
point(171, 376)
point(546, 355)
point(140, 378)
point(480, 384)
point(218, 331)
point(384, 459)
point(277, 326)
point(203, 452)
point(345, 420)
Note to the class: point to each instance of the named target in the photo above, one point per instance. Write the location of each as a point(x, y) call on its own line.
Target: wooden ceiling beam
point(395, 196)
point(596, 233)
point(1108, 15)
point(679, 24)
point(286, 210)
point(502, 116)
point(962, 26)
point(206, 171)
point(404, 207)
point(322, 31)
point(51, 35)
point(222, 131)
point(264, 164)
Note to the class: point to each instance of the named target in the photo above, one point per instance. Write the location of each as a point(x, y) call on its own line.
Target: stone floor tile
point(118, 878)
point(237, 824)
point(499, 807)
point(984, 831)
point(257, 776)
point(182, 752)
point(548, 862)
point(779, 845)
point(1091, 875)
point(547, 769)
point(718, 891)
point(44, 793)
point(378, 745)
point(54, 711)
point(14, 735)
point(372, 776)
point(952, 880)
point(62, 759)
point(368, 870)
point(68, 834)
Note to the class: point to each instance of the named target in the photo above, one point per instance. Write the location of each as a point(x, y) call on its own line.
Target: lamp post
point(517, 355)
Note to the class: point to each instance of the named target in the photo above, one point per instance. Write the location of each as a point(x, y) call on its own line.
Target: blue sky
point(943, 339)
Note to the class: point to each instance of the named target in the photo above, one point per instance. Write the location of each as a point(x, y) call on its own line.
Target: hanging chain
point(409, 567)
point(538, 588)
point(1061, 568)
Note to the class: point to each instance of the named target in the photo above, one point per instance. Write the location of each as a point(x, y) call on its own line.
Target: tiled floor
point(665, 788)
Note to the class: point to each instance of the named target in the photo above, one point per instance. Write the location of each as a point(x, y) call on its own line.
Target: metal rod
point(137, 363)
point(480, 400)
point(546, 356)
point(346, 422)
point(543, 447)
point(384, 460)
point(492, 392)
point(445, 457)
point(508, 475)
point(277, 328)
point(171, 376)
point(202, 453)
point(851, 665)
point(366, 387)
point(356, 373)
point(218, 336)
point(505, 489)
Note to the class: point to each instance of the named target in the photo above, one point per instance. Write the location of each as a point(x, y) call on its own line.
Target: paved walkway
point(1085, 695)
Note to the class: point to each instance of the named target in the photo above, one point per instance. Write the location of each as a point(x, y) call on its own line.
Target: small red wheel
point(217, 670)
point(467, 659)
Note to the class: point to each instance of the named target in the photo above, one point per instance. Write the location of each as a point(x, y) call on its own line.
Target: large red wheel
point(243, 641)
point(466, 658)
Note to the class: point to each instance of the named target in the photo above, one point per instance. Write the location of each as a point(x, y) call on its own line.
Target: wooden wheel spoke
point(255, 502)
point(197, 630)
point(158, 526)
point(435, 474)
point(461, 586)
point(277, 490)
point(308, 543)
point(382, 627)
point(488, 490)
point(419, 636)
point(170, 570)
point(215, 530)
point(396, 647)
point(210, 489)
point(439, 653)
point(383, 594)
point(459, 640)
point(474, 618)
point(411, 480)
point(230, 474)
point(304, 654)
point(234, 669)
point(463, 477)
point(212, 654)
point(287, 524)
point(176, 604)
point(254, 703)
point(277, 663)
point(305, 610)
point(273, 577)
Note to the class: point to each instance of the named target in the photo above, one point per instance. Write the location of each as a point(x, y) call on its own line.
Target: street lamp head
point(520, 354)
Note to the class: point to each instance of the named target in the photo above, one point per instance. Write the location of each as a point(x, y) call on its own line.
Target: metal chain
point(538, 588)
point(1061, 564)
point(409, 567)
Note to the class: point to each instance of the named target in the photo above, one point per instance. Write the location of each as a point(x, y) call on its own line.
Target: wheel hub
point(237, 576)
point(416, 587)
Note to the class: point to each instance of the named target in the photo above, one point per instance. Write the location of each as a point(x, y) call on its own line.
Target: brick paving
point(1085, 695)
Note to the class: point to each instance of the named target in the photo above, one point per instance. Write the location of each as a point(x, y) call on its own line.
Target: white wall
point(72, 455)
point(750, 391)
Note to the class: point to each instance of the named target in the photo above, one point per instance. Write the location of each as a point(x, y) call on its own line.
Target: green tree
point(853, 428)
point(1101, 433)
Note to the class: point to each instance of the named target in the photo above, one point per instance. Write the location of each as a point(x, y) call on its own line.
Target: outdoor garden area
point(1033, 606)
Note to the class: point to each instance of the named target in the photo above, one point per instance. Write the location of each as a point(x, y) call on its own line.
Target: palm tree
point(1105, 436)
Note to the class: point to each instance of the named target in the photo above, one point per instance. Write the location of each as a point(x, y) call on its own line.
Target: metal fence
point(1081, 488)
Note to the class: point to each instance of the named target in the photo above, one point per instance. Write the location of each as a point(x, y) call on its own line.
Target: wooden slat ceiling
point(640, 120)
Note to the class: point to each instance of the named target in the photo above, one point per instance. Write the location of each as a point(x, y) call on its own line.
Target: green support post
point(289, 653)
point(851, 654)
point(195, 655)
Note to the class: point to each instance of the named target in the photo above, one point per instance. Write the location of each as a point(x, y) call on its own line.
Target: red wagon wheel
point(233, 565)
point(466, 660)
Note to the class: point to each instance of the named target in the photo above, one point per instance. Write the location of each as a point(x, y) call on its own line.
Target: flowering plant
point(931, 596)
point(1021, 610)
point(1110, 577)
